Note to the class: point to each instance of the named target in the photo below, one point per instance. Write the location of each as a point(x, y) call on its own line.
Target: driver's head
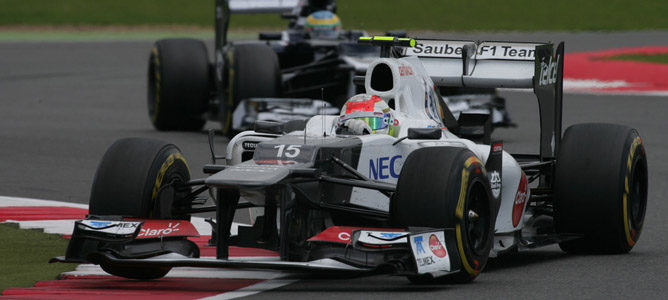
point(323, 24)
point(373, 111)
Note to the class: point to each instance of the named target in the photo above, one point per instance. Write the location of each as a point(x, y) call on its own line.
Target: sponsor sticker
point(249, 145)
point(164, 228)
point(382, 237)
point(520, 201)
point(342, 234)
point(548, 71)
point(275, 162)
point(335, 234)
point(485, 50)
point(405, 70)
point(495, 182)
point(385, 167)
point(432, 48)
point(436, 247)
point(110, 227)
point(430, 252)
point(506, 51)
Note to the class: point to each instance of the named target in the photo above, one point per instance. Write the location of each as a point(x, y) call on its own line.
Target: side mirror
point(270, 36)
point(424, 133)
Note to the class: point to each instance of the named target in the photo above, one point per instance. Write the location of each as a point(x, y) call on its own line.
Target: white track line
point(53, 226)
point(187, 272)
point(252, 289)
point(18, 201)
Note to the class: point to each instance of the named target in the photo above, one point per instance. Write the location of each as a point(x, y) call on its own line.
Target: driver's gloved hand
point(357, 127)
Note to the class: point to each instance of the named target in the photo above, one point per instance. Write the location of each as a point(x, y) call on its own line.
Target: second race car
point(314, 58)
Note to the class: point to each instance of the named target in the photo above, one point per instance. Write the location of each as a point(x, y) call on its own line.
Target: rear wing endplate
point(534, 66)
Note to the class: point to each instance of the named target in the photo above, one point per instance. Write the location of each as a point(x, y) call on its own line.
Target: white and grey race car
point(427, 204)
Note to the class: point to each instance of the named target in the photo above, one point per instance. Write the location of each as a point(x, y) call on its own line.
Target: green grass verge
point(651, 58)
point(376, 15)
point(24, 256)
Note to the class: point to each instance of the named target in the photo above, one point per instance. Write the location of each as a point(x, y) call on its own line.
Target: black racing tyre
point(128, 183)
point(447, 187)
point(600, 187)
point(131, 176)
point(178, 84)
point(253, 71)
point(147, 273)
point(182, 246)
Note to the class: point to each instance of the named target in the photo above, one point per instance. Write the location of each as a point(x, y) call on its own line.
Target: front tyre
point(133, 181)
point(456, 195)
point(132, 177)
point(600, 188)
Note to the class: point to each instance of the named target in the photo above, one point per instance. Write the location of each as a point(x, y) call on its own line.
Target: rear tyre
point(600, 188)
point(178, 84)
point(253, 71)
point(131, 181)
point(457, 195)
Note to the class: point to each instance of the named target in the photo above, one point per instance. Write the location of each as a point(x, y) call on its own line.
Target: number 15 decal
point(291, 151)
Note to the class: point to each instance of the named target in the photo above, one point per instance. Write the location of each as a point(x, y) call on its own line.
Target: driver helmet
point(373, 111)
point(323, 24)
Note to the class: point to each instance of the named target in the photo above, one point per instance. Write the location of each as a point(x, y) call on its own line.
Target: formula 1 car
point(425, 204)
point(185, 90)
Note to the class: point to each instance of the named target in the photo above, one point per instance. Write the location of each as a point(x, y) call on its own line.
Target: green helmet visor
point(374, 123)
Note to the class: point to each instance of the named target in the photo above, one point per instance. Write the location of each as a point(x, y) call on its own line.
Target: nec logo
point(384, 167)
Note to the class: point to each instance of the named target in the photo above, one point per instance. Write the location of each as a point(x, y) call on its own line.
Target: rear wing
point(226, 7)
point(262, 6)
point(534, 66)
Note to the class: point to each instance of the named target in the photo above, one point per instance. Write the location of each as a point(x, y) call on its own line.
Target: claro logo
point(149, 232)
point(548, 71)
point(520, 200)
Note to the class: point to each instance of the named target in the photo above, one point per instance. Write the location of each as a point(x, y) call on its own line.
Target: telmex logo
point(384, 167)
point(99, 224)
point(390, 235)
point(418, 244)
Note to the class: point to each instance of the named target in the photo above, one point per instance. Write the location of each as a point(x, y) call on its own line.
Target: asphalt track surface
point(63, 103)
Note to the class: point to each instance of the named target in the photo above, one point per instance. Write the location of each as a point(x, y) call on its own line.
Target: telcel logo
point(384, 167)
point(495, 183)
point(548, 71)
point(436, 247)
